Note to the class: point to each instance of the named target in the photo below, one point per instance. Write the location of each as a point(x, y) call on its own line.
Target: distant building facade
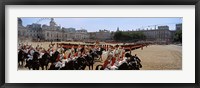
point(38, 32)
point(100, 35)
point(52, 32)
point(161, 34)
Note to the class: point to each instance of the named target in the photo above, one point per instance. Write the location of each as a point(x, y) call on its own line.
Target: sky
point(96, 24)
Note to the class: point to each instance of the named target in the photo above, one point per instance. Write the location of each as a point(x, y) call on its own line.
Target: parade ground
point(160, 57)
point(153, 57)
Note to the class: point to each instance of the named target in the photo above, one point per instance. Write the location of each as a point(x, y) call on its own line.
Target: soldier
point(71, 54)
point(60, 49)
point(79, 50)
point(58, 64)
point(115, 50)
point(107, 62)
point(30, 54)
point(123, 52)
point(85, 51)
point(51, 52)
point(109, 49)
point(65, 55)
point(100, 51)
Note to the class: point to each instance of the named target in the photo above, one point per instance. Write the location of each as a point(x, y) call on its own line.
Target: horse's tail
point(140, 65)
point(97, 67)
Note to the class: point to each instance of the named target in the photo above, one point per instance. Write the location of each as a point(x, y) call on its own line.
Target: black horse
point(80, 63)
point(75, 64)
point(89, 60)
point(124, 66)
point(53, 61)
point(54, 56)
point(22, 56)
point(135, 63)
point(94, 54)
point(44, 61)
point(53, 67)
point(35, 61)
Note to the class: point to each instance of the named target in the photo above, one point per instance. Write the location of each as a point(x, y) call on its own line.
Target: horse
point(124, 66)
point(44, 61)
point(22, 56)
point(90, 60)
point(69, 65)
point(131, 64)
point(35, 62)
point(53, 61)
point(54, 56)
point(75, 64)
point(99, 53)
point(53, 67)
point(134, 63)
point(99, 67)
point(80, 63)
point(94, 54)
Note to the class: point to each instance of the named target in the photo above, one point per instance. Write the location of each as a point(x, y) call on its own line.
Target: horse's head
point(128, 55)
point(94, 54)
point(36, 54)
point(132, 58)
point(46, 56)
point(21, 52)
point(56, 53)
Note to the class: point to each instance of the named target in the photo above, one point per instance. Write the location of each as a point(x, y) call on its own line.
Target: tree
point(117, 35)
point(178, 36)
point(129, 36)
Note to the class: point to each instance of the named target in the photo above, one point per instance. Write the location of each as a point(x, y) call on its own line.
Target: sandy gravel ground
point(154, 57)
point(160, 57)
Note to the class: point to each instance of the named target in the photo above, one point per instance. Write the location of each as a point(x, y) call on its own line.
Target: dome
point(52, 22)
point(19, 21)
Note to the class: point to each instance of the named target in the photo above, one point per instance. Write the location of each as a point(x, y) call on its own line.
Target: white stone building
point(38, 32)
point(101, 35)
point(162, 34)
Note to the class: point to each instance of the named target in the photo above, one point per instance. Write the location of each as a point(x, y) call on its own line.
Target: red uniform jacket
point(106, 62)
point(58, 58)
point(76, 54)
point(113, 61)
point(65, 56)
point(69, 55)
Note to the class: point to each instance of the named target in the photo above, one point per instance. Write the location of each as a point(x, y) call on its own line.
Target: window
point(47, 34)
